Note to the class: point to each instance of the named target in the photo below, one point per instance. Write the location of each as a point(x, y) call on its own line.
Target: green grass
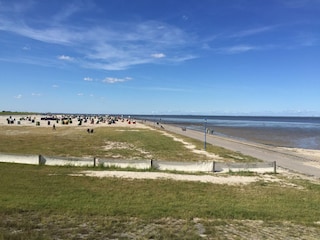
point(43, 188)
point(76, 142)
point(43, 202)
point(50, 193)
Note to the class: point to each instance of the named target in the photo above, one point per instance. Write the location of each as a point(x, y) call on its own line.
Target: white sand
point(230, 180)
point(306, 152)
point(311, 154)
point(192, 147)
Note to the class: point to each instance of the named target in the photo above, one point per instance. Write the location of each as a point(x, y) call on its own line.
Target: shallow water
point(296, 132)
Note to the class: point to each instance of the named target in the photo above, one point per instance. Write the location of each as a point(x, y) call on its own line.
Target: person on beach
point(54, 127)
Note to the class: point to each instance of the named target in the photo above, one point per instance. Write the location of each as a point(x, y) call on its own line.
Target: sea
point(292, 132)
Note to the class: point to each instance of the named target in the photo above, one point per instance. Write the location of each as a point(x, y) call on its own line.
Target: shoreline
point(293, 132)
point(276, 137)
point(302, 160)
point(236, 135)
point(299, 160)
point(243, 135)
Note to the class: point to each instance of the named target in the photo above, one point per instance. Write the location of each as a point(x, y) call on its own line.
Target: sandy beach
point(305, 161)
point(57, 121)
point(118, 121)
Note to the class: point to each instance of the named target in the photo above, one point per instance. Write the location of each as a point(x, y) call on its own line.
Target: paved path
point(284, 158)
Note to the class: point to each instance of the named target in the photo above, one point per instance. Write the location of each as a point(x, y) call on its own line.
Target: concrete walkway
point(284, 158)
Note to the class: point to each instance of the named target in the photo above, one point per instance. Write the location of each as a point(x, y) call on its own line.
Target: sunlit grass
point(76, 142)
point(50, 195)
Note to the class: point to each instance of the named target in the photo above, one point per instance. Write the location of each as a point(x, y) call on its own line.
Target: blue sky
point(243, 57)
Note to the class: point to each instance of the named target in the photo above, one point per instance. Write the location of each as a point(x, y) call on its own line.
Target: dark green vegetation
point(105, 142)
point(43, 202)
point(8, 113)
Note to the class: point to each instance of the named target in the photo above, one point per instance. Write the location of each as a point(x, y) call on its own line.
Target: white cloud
point(89, 79)
point(19, 96)
point(80, 94)
point(26, 48)
point(55, 86)
point(158, 55)
point(115, 46)
point(237, 49)
point(65, 58)
point(253, 31)
point(115, 80)
point(36, 94)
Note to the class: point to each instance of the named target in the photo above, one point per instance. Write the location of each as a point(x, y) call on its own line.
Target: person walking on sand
point(54, 127)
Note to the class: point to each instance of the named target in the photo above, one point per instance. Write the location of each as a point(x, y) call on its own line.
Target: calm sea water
point(300, 132)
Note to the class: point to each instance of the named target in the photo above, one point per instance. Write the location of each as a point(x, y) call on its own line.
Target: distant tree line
point(4, 112)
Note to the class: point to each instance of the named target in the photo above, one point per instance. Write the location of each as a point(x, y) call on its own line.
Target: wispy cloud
point(237, 49)
point(88, 79)
point(115, 80)
point(228, 43)
point(26, 48)
point(114, 46)
point(253, 31)
point(19, 96)
point(158, 55)
point(65, 58)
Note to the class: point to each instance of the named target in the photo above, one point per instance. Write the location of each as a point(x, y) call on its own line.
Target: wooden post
point(94, 161)
point(213, 166)
point(274, 167)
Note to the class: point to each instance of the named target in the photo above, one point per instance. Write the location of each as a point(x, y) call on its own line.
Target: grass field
point(106, 142)
point(43, 202)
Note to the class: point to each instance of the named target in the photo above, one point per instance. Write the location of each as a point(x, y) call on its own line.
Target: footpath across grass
point(43, 202)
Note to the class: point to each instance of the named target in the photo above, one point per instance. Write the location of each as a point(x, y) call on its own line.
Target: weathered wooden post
point(213, 166)
point(94, 161)
point(274, 167)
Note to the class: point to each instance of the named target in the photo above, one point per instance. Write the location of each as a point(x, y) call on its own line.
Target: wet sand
point(278, 137)
point(299, 160)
